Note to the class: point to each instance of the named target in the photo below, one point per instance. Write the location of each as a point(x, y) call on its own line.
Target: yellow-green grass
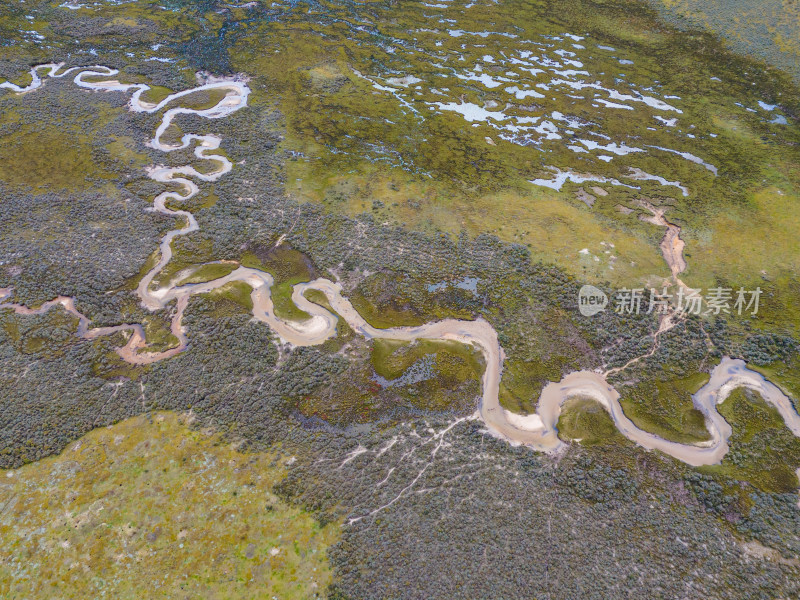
point(736, 245)
point(125, 21)
point(762, 449)
point(740, 242)
point(127, 150)
point(523, 381)
point(24, 78)
point(391, 358)
point(282, 302)
point(287, 267)
point(153, 508)
point(203, 99)
point(665, 408)
point(584, 420)
point(237, 292)
point(49, 158)
point(318, 297)
point(784, 374)
point(388, 300)
point(158, 334)
point(155, 94)
point(199, 100)
point(188, 256)
point(209, 164)
point(551, 225)
point(384, 316)
point(208, 272)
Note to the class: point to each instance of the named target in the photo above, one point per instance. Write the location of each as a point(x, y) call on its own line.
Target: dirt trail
point(671, 245)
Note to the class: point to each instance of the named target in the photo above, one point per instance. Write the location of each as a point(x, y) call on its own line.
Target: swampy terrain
point(289, 300)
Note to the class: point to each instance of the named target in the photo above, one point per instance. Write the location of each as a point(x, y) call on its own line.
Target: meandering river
point(537, 430)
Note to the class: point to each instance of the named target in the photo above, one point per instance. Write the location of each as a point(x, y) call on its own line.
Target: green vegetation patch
point(203, 99)
point(586, 421)
point(152, 500)
point(666, 409)
point(158, 333)
point(208, 272)
point(432, 375)
point(391, 358)
point(288, 267)
point(47, 157)
point(155, 94)
point(394, 380)
point(231, 298)
point(200, 100)
point(388, 299)
point(523, 381)
point(763, 450)
point(190, 253)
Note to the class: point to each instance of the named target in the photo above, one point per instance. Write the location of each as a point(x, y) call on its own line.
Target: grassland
point(152, 501)
point(389, 380)
point(391, 358)
point(398, 299)
point(200, 100)
point(768, 29)
point(208, 272)
point(50, 157)
point(158, 333)
point(360, 150)
point(585, 421)
point(237, 293)
point(523, 381)
point(287, 267)
point(787, 373)
point(665, 408)
point(762, 449)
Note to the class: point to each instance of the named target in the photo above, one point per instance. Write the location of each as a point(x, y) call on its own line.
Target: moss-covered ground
point(762, 449)
point(585, 421)
point(60, 154)
point(288, 267)
point(154, 502)
point(389, 380)
point(665, 408)
point(391, 359)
